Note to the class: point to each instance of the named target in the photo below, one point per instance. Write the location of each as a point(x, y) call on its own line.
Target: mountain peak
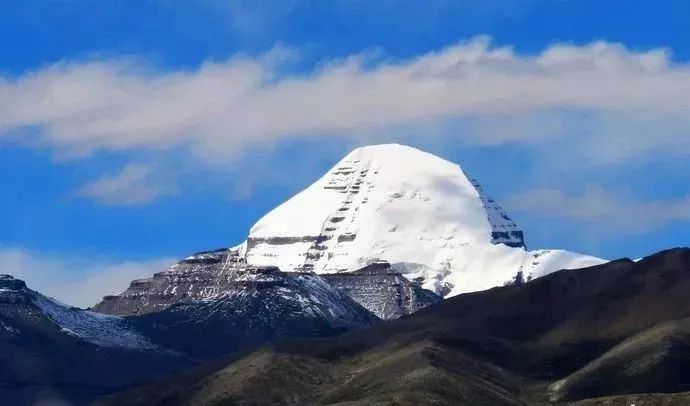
point(399, 204)
point(9, 282)
point(408, 163)
point(390, 150)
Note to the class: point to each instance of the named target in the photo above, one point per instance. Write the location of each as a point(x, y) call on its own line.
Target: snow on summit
point(408, 207)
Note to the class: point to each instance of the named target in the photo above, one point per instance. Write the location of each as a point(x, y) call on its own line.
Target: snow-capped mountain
point(383, 234)
point(419, 212)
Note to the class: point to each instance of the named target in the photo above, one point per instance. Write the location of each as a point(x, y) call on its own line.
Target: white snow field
point(396, 203)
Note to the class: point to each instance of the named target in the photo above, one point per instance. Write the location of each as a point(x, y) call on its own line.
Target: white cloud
point(56, 276)
point(604, 209)
point(134, 184)
point(219, 108)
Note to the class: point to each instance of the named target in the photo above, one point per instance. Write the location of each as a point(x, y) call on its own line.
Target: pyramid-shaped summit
point(415, 210)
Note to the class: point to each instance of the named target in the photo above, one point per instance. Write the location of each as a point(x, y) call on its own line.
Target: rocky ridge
point(56, 354)
point(382, 290)
point(224, 275)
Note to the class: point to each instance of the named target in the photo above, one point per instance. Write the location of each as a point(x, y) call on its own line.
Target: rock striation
point(398, 204)
point(218, 298)
point(382, 290)
point(206, 275)
point(223, 276)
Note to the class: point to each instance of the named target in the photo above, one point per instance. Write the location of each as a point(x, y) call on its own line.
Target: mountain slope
point(51, 352)
point(213, 276)
point(505, 345)
point(398, 204)
point(406, 373)
point(213, 303)
point(655, 360)
point(206, 306)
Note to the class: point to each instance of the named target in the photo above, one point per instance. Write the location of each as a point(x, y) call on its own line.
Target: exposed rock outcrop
point(223, 274)
point(382, 290)
point(203, 276)
point(217, 297)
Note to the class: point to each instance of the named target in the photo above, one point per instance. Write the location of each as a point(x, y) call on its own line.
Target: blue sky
point(136, 132)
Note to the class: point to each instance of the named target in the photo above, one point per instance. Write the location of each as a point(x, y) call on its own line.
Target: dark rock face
point(260, 305)
point(205, 275)
point(8, 282)
point(12, 291)
point(510, 236)
point(212, 275)
point(216, 298)
point(382, 290)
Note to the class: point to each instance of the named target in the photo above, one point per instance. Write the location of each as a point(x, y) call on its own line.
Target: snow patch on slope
point(97, 328)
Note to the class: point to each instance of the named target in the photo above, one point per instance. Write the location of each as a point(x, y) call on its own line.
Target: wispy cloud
point(134, 184)
point(262, 21)
point(605, 209)
point(220, 108)
point(78, 281)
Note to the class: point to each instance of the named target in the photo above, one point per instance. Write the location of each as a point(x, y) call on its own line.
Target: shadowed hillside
point(563, 337)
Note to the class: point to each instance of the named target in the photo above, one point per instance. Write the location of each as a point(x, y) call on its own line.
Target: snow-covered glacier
point(417, 211)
